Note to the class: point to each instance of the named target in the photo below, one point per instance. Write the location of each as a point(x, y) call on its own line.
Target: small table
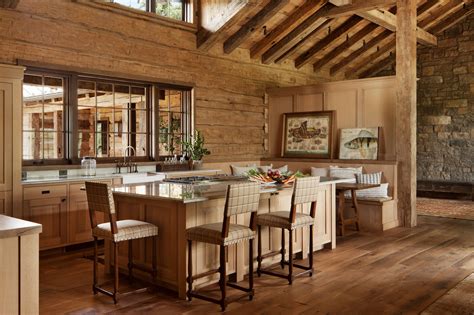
point(341, 188)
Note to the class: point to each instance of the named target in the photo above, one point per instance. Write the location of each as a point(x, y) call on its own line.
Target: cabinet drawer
point(77, 188)
point(39, 192)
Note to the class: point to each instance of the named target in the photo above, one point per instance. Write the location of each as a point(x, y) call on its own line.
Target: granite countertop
point(200, 191)
point(13, 227)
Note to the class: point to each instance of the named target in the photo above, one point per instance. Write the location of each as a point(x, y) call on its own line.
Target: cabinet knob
point(63, 199)
point(45, 192)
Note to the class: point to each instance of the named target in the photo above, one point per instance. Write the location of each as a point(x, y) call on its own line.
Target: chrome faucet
point(128, 164)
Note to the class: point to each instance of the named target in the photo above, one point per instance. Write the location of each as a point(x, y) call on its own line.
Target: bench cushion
point(371, 199)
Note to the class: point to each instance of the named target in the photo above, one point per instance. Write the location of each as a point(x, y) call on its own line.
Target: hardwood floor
point(399, 271)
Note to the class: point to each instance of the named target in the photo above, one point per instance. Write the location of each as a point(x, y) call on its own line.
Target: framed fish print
point(359, 143)
point(308, 134)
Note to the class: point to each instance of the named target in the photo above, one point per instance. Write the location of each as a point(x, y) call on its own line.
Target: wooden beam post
point(406, 110)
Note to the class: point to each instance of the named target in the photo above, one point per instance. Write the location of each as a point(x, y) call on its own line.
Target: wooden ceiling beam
point(9, 4)
point(353, 56)
point(426, 7)
point(254, 23)
point(448, 8)
point(378, 66)
point(309, 55)
point(292, 21)
point(215, 22)
point(455, 18)
point(357, 68)
point(293, 50)
point(297, 35)
point(351, 41)
point(388, 20)
point(357, 6)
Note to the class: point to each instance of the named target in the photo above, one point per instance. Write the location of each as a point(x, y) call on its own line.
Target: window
point(175, 9)
point(43, 117)
point(69, 116)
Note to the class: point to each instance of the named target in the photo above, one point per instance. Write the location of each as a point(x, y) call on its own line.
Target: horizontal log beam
point(9, 4)
point(454, 18)
point(378, 66)
point(254, 23)
point(357, 6)
point(389, 21)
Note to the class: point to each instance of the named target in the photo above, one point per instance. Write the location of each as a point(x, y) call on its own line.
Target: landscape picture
point(359, 143)
point(308, 134)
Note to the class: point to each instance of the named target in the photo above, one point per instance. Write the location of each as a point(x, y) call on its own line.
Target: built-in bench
point(375, 215)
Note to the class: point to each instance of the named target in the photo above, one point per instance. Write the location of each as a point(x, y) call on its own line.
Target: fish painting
point(359, 143)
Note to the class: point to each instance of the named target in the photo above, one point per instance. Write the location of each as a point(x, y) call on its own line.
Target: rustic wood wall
point(99, 38)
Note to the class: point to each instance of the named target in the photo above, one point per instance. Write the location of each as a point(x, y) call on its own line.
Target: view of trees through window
point(170, 8)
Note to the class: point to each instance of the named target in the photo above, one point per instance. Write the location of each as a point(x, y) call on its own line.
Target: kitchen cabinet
point(47, 205)
point(10, 138)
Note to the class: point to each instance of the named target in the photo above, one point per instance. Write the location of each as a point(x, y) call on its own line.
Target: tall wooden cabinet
point(11, 78)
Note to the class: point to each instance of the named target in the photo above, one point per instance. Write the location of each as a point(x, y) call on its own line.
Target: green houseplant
point(195, 147)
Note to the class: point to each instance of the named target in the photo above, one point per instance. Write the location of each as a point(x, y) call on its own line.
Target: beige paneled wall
point(358, 103)
point(98, 38)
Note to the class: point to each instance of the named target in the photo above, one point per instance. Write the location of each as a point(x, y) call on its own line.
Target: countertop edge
point(13, 227)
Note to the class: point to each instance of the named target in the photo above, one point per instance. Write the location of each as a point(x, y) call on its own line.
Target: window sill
point(134, 13)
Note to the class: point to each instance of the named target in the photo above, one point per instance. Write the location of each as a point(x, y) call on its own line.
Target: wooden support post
point(406, 109)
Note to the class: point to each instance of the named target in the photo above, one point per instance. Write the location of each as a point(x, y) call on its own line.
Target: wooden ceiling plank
point(293, 50)
point(370, 58)
point(219, 24)
point(297, 35)
point(344, 46)
point(378, 66)
point(309, 55)
point(426, 6)
point(282, 29)
point(354, 55)
point(454, 19)
point(435, 15)
point(9, 4)
point(388, 20)
point(262, 17)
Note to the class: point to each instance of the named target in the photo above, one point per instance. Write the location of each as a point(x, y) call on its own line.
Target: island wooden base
point(174, 217)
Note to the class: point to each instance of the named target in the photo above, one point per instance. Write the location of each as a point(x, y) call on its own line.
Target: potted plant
point(195, 149)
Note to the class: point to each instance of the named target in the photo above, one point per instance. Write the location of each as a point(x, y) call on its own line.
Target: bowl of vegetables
point(274, 176)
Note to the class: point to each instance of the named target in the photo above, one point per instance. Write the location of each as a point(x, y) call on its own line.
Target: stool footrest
point(205, 274)
point(271, 254)
point(238, 287)
point(297, 265)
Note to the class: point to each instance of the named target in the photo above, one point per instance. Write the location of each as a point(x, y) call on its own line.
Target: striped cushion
point(127, 230)
point(374, 178)
point(212, 233)
point(376, 192)
point(344, 172)
point(281, 219)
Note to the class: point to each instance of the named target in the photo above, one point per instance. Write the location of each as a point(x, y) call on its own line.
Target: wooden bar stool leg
point(356, 210)
point(290, 266)
point(116, 272)
point(190, 269)
point(154, 258)
point(223, 280)
point(259, 251)
point(341, 211)
point(283, 251)
point(311, 229)
point(130, 260)
point(251, 269)
point(95, 267)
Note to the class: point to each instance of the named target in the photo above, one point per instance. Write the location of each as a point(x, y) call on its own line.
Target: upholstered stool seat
point(212, 233)
point(240, 199)
point(126, 230)
point(279, 219)
point(305, 191)
point(101, 199)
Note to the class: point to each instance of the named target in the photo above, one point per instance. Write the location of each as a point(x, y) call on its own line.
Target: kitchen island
point(176, 206)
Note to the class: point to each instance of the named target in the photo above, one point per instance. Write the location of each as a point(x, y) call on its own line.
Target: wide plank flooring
point(400, 271)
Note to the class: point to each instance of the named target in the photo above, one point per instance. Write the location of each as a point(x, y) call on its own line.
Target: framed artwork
point(359, 143)
point(308, 134)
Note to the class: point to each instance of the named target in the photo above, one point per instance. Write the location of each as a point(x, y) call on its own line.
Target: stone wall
point(446, 106)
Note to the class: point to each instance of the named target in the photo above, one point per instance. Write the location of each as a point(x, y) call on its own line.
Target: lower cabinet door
point(52, 214)
point(6, 202)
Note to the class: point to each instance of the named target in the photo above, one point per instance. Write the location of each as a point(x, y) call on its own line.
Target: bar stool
point(100, 198)
point(305, 190)
point(240, 198)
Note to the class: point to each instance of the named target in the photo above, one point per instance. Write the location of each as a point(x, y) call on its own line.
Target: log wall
point(96, 38)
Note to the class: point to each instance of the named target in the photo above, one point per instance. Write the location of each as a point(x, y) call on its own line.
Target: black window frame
point(70, 128)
